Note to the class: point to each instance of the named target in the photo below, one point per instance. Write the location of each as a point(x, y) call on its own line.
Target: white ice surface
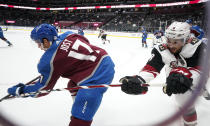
point(19, 64)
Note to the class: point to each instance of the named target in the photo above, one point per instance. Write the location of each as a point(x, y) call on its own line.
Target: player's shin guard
point(190, 118)
point(78, 122)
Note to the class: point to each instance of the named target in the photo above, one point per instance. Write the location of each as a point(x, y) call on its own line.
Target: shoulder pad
point(189, 49)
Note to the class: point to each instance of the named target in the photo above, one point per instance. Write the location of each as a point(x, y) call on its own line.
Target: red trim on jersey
point(190, 118)
point(108, 6)
point(150, 69)
point(182, 70)
point(196, 68)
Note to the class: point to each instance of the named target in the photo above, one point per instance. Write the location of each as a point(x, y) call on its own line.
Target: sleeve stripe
point(195, 69)
point(151, 70)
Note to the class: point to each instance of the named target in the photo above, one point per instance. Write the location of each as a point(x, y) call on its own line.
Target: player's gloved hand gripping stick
point(19, 85)
point(133, 85)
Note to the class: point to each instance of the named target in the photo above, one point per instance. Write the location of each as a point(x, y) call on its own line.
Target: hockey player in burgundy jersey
point(181, 57)
point(195, 30)
point(70, 56)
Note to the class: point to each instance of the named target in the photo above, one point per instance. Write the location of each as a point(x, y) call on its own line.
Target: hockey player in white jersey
point(103, 36)
point(181, 56)
point(159, 37)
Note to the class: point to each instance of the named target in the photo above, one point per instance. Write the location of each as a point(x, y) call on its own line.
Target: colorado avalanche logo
point(173, 64)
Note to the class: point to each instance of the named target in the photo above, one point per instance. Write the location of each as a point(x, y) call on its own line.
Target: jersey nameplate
point(65, 45)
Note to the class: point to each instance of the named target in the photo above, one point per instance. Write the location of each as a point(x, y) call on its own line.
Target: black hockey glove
point(178, 81)
point(132, 85)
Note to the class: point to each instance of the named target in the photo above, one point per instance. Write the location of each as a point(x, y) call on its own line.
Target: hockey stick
point(89, 87)
point(10, 96)
point(83, 87)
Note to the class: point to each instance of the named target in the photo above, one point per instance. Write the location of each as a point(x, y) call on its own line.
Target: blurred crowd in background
point(110, 19)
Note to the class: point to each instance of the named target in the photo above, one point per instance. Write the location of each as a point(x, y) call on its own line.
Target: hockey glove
point(178, 81)
point(16, 90)
point(132, 85)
